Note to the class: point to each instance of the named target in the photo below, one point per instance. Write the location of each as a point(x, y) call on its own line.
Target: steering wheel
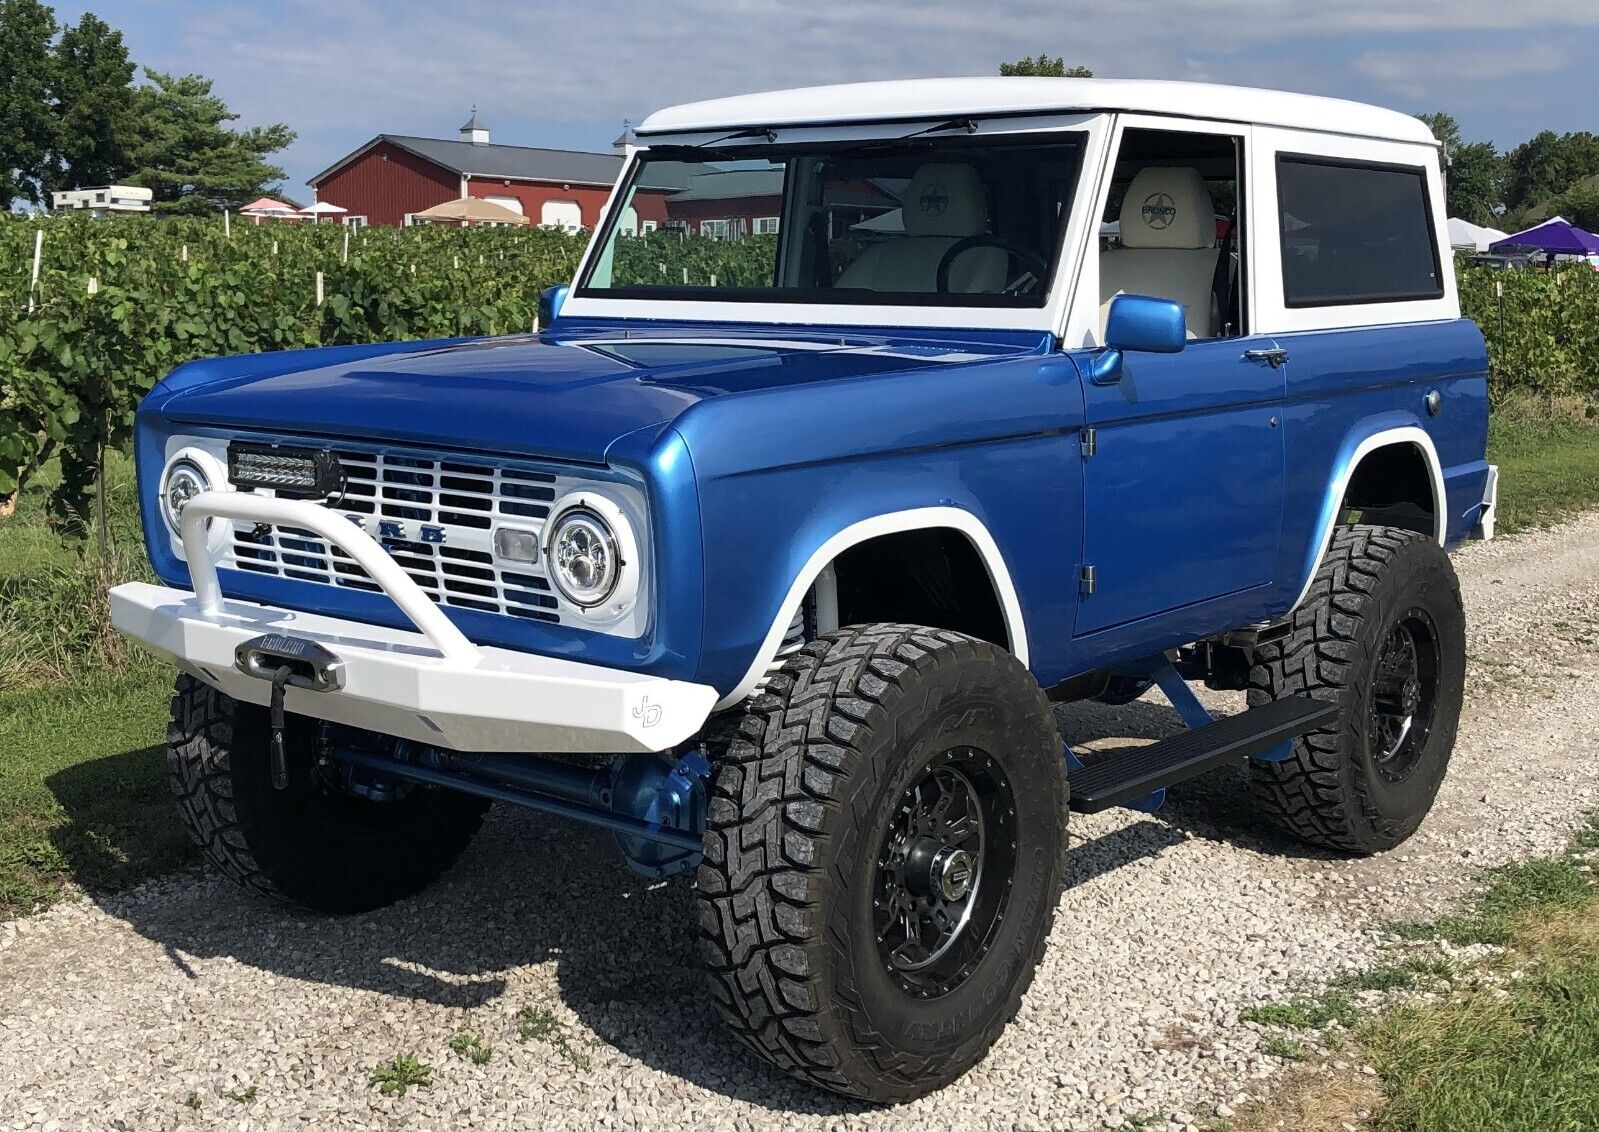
point(1028, 258)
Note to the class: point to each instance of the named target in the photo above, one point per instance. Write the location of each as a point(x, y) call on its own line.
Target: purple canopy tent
point(1553, 237)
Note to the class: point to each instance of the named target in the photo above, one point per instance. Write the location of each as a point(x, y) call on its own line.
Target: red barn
point(393, 176)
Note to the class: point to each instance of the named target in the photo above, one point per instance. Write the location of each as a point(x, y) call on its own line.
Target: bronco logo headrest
point(1159, 211)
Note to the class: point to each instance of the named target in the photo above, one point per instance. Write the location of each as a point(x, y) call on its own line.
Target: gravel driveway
point(146, 1011)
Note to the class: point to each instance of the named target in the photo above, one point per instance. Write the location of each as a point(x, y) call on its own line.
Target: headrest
point(945, 200)
point(1168, 208)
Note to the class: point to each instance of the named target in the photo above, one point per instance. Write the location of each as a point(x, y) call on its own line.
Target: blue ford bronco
point(1018, 392)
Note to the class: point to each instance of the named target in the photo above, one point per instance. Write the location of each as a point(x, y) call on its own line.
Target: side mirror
point(551, 299)
point(1153, 326)
point(1142, 324)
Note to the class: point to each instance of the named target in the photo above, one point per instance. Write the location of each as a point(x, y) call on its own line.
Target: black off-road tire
point(305, 845)
point(807, 778)
point(1333, 792)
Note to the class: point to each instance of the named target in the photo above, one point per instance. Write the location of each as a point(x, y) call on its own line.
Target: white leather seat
point(945, 203)
point(1168, 235)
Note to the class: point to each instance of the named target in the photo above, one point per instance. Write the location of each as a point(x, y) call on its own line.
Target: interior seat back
point(944, 204)
point(1168, 236)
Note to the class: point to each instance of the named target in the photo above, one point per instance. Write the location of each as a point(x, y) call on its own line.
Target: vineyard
point(119, 303)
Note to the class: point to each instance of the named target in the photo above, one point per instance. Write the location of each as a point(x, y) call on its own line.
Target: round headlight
point(583, 558)
point(184, 479)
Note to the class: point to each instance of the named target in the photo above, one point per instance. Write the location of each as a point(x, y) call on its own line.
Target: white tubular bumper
point(433, 686)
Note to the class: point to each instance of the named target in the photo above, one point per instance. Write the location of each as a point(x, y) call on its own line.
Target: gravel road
point(147, 1010)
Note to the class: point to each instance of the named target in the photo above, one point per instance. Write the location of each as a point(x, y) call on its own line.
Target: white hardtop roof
point(915, 99)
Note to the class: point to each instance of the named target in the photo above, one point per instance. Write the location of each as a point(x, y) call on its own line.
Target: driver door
point(1183, 468)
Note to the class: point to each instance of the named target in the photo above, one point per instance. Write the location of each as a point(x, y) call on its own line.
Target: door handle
point(1276, 357)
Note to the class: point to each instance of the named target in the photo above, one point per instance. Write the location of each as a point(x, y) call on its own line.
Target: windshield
point(919, 221)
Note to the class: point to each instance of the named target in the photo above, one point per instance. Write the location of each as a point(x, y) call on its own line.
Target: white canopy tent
point(1465, 236)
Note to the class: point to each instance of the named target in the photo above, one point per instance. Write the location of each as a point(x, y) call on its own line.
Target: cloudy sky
point(566, 73)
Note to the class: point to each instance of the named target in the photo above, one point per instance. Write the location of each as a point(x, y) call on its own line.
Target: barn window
point(512, 203)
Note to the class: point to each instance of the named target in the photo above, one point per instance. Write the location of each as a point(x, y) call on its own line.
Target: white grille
point(436, 516)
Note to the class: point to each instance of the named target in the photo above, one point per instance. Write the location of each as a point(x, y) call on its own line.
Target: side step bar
point(1116, 779)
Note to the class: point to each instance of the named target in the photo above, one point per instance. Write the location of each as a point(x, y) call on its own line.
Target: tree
point(1046, 67)
point(1580, 204)
point(1476, 173)
point(93, 104)
point(181, 148)
point(1547, 165)
point(27, 124)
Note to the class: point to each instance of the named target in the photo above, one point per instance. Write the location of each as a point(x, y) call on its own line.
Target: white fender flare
point(1387, 438)
point(917, 519)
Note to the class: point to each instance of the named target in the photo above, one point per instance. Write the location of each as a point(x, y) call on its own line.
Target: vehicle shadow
point(532, 890)
point(120, 827)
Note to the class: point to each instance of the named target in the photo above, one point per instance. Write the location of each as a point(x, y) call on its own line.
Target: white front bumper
point(398, 683)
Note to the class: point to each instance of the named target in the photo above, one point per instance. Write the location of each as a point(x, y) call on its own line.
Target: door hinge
point(1090, 441)
point(1087, 580)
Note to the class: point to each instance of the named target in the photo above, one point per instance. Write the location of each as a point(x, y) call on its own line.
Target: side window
point(1171, 227)
point(1355, 233)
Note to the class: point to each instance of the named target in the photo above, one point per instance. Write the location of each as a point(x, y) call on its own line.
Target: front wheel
point(308, 844)
point(882, 858)
point(1382, 633)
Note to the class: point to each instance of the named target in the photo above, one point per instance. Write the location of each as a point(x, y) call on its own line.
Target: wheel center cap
point(1412, 696)
point(954, 872)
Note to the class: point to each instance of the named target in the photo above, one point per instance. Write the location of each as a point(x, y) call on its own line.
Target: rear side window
point(1355, 233)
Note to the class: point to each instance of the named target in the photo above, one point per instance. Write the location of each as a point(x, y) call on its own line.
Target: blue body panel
point(756, 444)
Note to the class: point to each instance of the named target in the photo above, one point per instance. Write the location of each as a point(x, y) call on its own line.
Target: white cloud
point(345, 71)
point(1419, 75)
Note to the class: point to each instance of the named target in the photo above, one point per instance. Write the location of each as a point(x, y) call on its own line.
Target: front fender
point(989, 450)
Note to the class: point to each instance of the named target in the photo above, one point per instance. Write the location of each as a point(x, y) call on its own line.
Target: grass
point(83, 793)
point(535, 1023)
point(473, 1048)
point(1548, 467)
point(1303, 1013)
point(1510, 1045)
point(406, 1071)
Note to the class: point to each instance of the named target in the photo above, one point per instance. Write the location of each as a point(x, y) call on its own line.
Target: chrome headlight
point(181, 482)
point(591, 554)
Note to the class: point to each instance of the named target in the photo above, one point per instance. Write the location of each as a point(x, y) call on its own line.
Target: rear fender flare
point(1355, 449)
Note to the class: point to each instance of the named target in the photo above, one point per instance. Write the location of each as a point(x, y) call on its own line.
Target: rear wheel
point(310, 844)
point(882, 858)
point(1382, 634)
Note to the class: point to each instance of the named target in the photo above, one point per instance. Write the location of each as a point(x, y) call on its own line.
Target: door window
point(1171, 229)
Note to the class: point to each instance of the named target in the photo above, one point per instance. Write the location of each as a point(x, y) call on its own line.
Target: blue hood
point(568, 395)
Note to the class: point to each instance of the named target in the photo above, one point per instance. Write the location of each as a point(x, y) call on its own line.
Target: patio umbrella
point(266, 205)
point(470, 210)
point(268, 209)
point(1553, 237)
point(320, 209)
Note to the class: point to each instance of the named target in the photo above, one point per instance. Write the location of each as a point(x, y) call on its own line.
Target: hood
point(568, 394)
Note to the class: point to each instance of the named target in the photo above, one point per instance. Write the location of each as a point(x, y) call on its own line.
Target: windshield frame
point(892, 310)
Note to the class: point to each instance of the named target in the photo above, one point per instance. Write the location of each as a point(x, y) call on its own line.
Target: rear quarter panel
point(1347, 385)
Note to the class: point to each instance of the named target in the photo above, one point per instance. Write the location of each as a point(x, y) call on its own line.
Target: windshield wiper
point(764, 132)
point(967, 124)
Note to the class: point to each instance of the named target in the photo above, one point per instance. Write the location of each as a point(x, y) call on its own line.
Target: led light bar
point(296, 471)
